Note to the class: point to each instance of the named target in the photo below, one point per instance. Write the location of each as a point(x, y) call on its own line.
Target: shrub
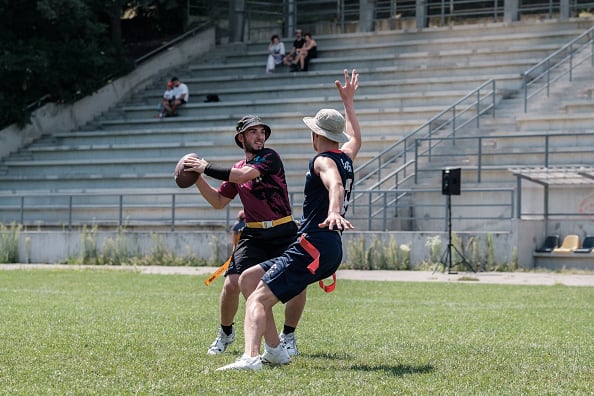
point(9, 243)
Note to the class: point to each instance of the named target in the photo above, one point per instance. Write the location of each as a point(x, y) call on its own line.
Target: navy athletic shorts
point(288, 275)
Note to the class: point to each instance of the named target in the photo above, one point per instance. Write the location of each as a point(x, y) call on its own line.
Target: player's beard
point(249, 148)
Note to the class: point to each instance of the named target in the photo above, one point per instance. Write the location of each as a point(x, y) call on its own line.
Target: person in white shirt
point(181, 96)
point(276, 53)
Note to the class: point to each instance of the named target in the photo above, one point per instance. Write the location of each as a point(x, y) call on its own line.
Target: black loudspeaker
point(450, 181)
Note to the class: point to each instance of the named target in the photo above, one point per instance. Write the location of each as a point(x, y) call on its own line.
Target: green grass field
point(104, 332)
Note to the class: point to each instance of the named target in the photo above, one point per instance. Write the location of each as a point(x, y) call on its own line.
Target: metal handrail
point(401, 148)
point(541, 145)
point(371, 211)
point(543, 70)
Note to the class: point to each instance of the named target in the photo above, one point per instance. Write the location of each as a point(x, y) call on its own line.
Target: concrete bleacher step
point(121, 166)
point(506, 150)
point(369, 85)
point(578, 106)
point(201, 73)
point(494, 34)
point(407, 67)
point(307, 105)
point(219, 130)
point(384, 58)
point(300, 144)
point(128, 174)
point(284, 82)
point(398, 43)
point(126, 183)
point(556, 122)
point(373, 126)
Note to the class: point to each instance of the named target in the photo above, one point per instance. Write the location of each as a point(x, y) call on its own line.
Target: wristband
point(218, 172)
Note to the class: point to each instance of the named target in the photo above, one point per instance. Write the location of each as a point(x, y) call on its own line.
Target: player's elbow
point(218, 205)
point(217, 202)
point(336, 188)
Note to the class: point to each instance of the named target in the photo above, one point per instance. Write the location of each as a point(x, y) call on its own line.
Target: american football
point(182, 178)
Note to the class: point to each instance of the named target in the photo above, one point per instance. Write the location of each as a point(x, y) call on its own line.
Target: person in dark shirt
point(317, 253)
point(307, 52)
point(260, 182)
point(237, 227)
point(291, 57)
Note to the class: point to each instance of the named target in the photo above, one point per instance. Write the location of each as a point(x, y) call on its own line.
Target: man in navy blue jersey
point(317, 253)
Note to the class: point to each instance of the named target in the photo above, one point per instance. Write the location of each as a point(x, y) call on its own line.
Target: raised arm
point(347, 94)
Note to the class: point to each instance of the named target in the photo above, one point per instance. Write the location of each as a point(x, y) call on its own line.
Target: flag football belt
point(268, 224)
point(221, 270)
point(315, 264)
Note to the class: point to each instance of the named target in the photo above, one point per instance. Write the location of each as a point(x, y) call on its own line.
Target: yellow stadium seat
point(570, 243)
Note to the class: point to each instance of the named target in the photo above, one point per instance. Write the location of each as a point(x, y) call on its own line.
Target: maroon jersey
point(264, 198)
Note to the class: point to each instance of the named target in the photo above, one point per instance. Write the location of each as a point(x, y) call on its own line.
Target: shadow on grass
point(334, 356)
point(396, 370)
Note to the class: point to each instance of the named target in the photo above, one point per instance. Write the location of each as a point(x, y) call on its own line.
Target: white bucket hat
point(328, 123)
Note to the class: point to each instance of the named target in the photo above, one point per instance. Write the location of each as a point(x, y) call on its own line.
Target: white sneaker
point(290, 343)
point(278, 355)
point(244, 363)
point(221, 342)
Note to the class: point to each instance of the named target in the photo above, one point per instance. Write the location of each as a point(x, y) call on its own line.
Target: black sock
point(227, 329)
point(288, 329)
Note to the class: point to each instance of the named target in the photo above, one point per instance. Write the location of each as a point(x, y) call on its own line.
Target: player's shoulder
point(269, 153)
point(240, 164)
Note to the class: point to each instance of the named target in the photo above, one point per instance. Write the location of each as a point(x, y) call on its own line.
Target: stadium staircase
point(406, 78)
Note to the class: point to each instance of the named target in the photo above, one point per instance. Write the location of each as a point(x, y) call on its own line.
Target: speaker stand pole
point(446, 257)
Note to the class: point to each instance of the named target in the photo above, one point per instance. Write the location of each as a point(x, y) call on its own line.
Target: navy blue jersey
point(316, 201)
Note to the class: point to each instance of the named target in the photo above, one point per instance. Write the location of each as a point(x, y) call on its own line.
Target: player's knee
point(248, 283)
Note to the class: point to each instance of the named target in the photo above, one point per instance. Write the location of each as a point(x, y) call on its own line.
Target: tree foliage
point(62, 50)
point(57, 49)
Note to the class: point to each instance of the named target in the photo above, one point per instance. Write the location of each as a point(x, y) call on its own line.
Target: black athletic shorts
point(260, 244)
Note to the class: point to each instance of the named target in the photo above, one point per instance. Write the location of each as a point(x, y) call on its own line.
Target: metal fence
point(378, 210)
point(496, 153)
point(396, 163)
point(285, 15)
point(559, 64)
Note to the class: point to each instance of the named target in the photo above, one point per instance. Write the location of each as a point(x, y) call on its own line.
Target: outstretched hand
point(335, 221)
point(351, 83)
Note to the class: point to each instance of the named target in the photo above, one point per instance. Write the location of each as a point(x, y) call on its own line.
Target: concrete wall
point(213, 246)
point(64, 246)
point(62, 118)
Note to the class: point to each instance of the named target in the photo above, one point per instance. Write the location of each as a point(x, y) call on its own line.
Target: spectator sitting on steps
point(307, 52)
point(290, 58)
point(181, 96)
point(168, 97)
point(276, 53)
